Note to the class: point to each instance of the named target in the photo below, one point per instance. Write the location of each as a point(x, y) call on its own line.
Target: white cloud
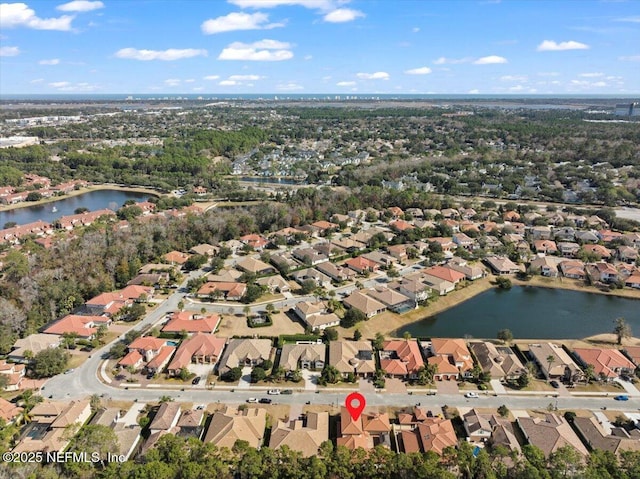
point(588, 84)
point(631, 58)
point(475, 91)
point(289, 86)
point(53, 61)
point(551, 46)
point(549, 74)
point(635, 19)
point(342, 15)
point(516, 88)
point(172, 82)
point(164, 55)
point(211, 77)
point(591, 75)
point(418, 71)
point(373, 76)
point(80, 6)
point(66, 86)
point(9, 51)
point(189, 80)
point(516, 78)
point(37, 80)
point(345, 83)
point(245, 77)
point(490, 60)
point(313, 4)
point(228, 83)
point(263, 50)
point(415, 29)
point(238, 21)
point(451, 61)
point(20, 15)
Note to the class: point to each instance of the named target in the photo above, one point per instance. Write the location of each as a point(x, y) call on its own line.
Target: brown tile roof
point(201, 345)
point(189, 322)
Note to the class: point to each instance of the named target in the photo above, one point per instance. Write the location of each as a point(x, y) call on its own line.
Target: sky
point(320, 46)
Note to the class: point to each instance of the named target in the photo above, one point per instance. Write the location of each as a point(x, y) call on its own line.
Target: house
point(166, 418)
point(464, 241)
point(587, 237)
point(380, 258)
point(546, 266)
point(229, 290)
point(560, 367)
point(14, 374)
point(439, 285)
point(445, 273)
point(601, 271)
point(160, 361)
point(545, 246)
point(401, 358)
point(633, 353)
point(633, 281)
point(133, 359)
point(412, 288)
point(9, 412)
point(451, 352)
point(511, 216)
point(186, 321)
point(147, 346)
point(362, 265)
point(608, 364)
point(51, 425)
point(430, 434)
point(401, 225)
point(309, 256)
point(564, 233)
point(568, 249)
point(14, 234)
point(550, 434)
point(255, 266)
point(597, 250)
point(541, 232)
point(85, 327)
point(128, 434)
point(176, 257)
point(498, 361)
point(204, 249)
point(82, 219)
point(354, 357)
point(303, 356)
point(367, 431)
point(230, 425)
point(23, 350)
point(320, 279)
point(335, 272)
point(200, 348)
point(302, 435)
point(315, 315)
point(490, 428)
point(627, 254)
point(613, 439)
point(393, 300)
point(274, 284)
point(502, 265)
point(256, 242)
point(190, 423)
point(150, 279)
point(244, 353)
point(573, 270)
point(368, 305)
point(324, 226)
point(471, 272)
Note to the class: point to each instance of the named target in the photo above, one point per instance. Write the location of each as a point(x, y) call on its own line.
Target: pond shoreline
point(79, 192)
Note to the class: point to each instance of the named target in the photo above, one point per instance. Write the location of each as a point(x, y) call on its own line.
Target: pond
point(532, 313)
point(93, 200)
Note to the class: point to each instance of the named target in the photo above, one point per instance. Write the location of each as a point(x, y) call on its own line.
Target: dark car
point(264, 401)
point(287, 391)
point(150, 375)
point(555, 384)
point(196, 380)
point(621, 397)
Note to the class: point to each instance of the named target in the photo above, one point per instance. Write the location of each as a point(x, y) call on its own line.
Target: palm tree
point(622, 330)
point(550, 360)
point(247, 311)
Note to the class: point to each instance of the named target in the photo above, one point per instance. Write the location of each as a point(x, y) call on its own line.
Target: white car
point(273, 392)
point(471, 395)
point(252, 400)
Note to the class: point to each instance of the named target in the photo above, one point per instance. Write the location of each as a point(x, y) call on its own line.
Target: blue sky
point(320, 46)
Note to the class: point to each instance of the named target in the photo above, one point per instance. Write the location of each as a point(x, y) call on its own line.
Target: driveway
point(310, 380)
point(131, 416)
point(447, 387)
point(630, 389)
point(497, 386)
point(201, 370)
point(394, 385)
point(245, 380)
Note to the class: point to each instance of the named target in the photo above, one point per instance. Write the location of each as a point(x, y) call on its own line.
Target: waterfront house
point(368, 305)
point(608, 364)
point(401, 358)
point(498, 361)
point(502, 265)
point(560, 367)
point(447, 352)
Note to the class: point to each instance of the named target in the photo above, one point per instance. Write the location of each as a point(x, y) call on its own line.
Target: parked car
point(196, 380)
point(150, 375)
point(273, 392)
point(554, 384)
point(287, 391)
point(264, 401)
point(471, 395)
point(621, 397)
point(252, 400)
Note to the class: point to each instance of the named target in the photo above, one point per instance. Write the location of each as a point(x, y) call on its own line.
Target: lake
point(530, 312)
point(93, 200)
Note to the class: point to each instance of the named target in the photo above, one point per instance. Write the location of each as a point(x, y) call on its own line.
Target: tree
point(503, 411)
point(118, 350)
point(232, 375)
point(95, 402)
point(194, 262)
point(94, 438)
point(523, 380)
point(622, 330)
point(357, 335)
point(550, 360)
point(330, 334)
point(69, 340)
point(329, 375)
point(378, 341)
point(49, 362)
point(503, 283)
point(307, 286)
point(505, 335)
point(352, 317)
point(258, 374)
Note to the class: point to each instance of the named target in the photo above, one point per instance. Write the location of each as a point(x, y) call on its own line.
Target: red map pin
point(355, 404)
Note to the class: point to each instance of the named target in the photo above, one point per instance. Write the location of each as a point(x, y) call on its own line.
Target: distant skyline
point(336, 47)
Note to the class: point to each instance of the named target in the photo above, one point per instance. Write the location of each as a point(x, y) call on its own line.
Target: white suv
point(471, 395)
point(273, 392)
point(252, 400)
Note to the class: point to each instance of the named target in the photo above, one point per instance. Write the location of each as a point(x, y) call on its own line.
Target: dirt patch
point(237, 325)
